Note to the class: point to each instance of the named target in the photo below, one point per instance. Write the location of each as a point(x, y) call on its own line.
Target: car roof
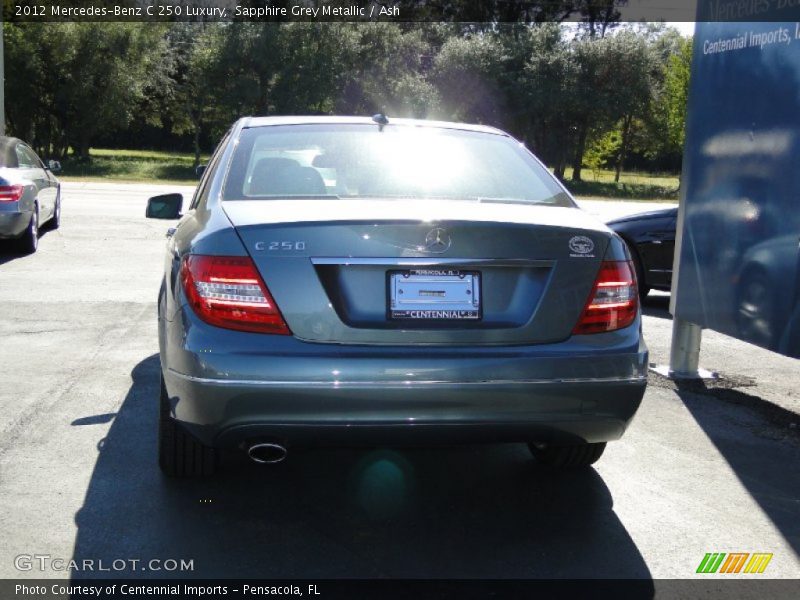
point(6, 141)
point(344, 120)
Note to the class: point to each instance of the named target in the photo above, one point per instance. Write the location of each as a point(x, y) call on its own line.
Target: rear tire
point(29, 241)
point(568, 457)
point(637, 264)
point(55, 221)
point(180, 454)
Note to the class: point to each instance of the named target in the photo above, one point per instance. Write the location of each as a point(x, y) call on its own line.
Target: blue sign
point(738, 260)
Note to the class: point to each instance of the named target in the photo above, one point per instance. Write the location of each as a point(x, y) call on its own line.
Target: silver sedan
point(30, 194)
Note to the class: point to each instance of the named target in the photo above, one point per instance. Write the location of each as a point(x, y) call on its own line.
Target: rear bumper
point(13, 224)
point(228, 387)
point(225, 413)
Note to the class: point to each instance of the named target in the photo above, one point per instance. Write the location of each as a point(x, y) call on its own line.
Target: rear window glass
point(361, 161)
point(26, 159)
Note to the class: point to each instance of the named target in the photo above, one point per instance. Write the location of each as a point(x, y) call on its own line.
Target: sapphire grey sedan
point(30, 194)
point(387, 281)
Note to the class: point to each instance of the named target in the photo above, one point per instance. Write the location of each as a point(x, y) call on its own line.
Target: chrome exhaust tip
point(267, 453)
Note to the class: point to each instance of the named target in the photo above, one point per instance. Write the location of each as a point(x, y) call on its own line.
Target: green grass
point(137, 166)
point(152, 166)
point(631, 186)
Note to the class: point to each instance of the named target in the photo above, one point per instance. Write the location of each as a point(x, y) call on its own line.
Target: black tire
point(29, 241)
point(55, 221)
point(568, 457)
point(637, 264)
point(180, 454)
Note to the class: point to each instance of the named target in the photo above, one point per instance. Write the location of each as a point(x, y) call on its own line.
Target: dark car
point(30, 194)
point(651, 240)
point(352, 279)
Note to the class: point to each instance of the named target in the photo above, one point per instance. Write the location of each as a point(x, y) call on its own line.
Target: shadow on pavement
point(746, 438)
point(94, 420)
point(657, 306)
point(469, 512)
point(751, 442)
point(9, 252)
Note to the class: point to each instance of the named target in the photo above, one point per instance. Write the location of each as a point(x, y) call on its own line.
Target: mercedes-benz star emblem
point(437, 241)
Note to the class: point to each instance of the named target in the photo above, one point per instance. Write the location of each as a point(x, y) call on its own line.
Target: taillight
point(227, 291)
point(614, 300)
point(11, 193)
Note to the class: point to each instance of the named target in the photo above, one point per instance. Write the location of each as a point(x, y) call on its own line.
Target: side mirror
point(200, 170)
point(166, 206)
point(54, 166)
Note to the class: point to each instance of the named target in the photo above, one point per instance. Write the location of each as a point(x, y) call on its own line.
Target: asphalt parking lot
point(702, 469)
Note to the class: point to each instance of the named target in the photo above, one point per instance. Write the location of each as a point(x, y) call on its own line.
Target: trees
point(615, 89)
point(547, 85)
point(390, 73)
point(676, 94)
point(80, 78)
point(630, 61)
point(561, 89)
point(466, 73)
point(24, 58)
point(190, 90)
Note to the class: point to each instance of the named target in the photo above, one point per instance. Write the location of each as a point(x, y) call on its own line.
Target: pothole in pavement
point(730, 389)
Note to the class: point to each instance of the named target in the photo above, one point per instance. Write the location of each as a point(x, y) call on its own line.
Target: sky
point(686, 28)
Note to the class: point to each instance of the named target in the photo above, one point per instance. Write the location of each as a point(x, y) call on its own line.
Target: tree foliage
point(676, 94)
point(79, 79)
point(566, 91)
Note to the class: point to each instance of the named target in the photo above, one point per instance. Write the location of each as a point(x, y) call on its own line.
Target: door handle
point(171, 231)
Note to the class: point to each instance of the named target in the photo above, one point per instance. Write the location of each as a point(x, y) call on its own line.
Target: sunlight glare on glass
point(428, 160)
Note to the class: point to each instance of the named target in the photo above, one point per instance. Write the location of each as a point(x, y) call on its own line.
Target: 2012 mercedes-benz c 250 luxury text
point(348, 280)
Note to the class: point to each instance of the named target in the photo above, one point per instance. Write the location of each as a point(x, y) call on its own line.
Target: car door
point(34, 171)
point(657, 247)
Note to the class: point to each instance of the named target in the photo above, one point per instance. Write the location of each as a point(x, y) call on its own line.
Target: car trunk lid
point(333, 267)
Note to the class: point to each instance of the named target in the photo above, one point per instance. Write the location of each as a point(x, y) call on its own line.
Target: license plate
point(435, 294)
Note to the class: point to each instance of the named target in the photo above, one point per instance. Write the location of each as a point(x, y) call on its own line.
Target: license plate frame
point(434, 295)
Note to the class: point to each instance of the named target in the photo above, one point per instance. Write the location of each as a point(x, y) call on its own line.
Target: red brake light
point(11, 193)
point(613, 302)
point(227, 291)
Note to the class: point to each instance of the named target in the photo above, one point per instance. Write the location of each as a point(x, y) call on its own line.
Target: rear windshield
point(399, 162)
